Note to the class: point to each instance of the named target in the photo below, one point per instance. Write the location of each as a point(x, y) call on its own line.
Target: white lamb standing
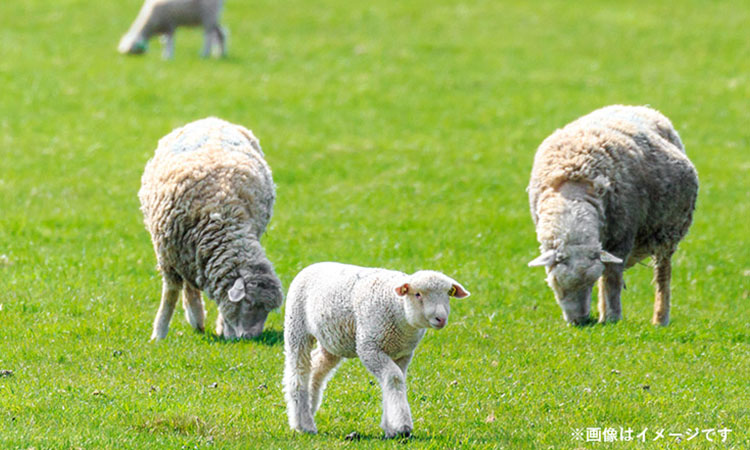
point(207, 196)
point(164, 16)
point(377, 315)
point(606, 191)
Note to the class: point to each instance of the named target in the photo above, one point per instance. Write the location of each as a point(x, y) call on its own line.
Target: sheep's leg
point(208, 41)
point(610, 289)
point(169, 294)
point(213, 35)
point(192, 301)
point(662, 278)
point(221, 35)
point(297, 347)
point(396, 419)
point(168, 42)
point(323, 366)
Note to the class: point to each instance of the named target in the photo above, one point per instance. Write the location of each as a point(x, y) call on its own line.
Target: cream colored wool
point(613, 186)
point(377, 315)
point(164, 16)
point(207, 196)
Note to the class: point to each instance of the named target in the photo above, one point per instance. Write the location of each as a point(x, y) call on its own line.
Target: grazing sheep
point(606, 191)
point(377, 315)
point(164, 16)
point(207, 196)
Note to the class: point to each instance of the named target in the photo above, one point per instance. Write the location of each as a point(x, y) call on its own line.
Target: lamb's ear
point(607, 257)
point(545, 259)
point(458, 291)
point(403, 289)
point(237, 292)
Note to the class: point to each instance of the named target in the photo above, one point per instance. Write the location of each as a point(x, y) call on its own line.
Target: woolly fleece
point(617, 178)
point(207, 196)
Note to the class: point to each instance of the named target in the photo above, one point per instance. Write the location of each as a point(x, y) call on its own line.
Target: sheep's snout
point(255, 329)
point(132, 44)
point(580, 321)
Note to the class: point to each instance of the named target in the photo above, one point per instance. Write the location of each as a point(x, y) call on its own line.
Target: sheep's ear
point(403, 289)
point(599, 186)
point(458, 291)
point(607, 257)
point(237, 292)
point(545, 259)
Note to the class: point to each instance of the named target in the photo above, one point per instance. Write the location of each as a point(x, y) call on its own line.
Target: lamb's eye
point(418, 295)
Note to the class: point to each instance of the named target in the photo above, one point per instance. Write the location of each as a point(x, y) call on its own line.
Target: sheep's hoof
point(609, 319)
point(660, 321)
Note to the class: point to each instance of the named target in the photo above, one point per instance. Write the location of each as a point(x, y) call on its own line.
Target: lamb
point(606, 191)
point(207, 196)
point(377, 315)
point(164, 16)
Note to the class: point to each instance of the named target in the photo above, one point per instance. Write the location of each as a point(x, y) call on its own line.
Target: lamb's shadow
point(267, 337)
point(378, 437)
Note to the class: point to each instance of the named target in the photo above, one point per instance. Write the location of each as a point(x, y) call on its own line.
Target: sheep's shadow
point(267, 337)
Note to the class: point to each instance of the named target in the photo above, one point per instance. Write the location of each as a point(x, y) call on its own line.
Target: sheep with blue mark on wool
point(377, 315)
point(164, 16)
point(207, 196)
point(606, 191)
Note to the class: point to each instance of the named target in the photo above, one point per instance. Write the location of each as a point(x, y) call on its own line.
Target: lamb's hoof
point(306, 430)
point(401, 433)
point(353, 436)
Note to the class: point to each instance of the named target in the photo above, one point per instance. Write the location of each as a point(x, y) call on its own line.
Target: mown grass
point(401, 135)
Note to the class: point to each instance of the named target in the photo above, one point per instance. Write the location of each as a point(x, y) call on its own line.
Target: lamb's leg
point(170, 292)
point(297, 347)
point(192, 301)
point(396, 419)
point(168, 42)
point(403, 363)
point(610, 289)
point(323, 366)
point(662, 278)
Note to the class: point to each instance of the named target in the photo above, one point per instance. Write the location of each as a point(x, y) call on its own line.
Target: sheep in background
point(606, 191)
point(377, 315)
point(164, 16)
point(207, 196)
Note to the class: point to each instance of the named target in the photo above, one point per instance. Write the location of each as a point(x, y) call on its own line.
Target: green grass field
point(401, 135)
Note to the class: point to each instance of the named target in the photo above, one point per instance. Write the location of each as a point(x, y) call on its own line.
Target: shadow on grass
point(267, 337)
point(378, 437)
point(587, 323)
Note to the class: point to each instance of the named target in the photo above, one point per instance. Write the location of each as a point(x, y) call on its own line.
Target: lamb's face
point(571, 273)
point(243, 314)
point(427, 299)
